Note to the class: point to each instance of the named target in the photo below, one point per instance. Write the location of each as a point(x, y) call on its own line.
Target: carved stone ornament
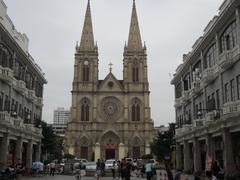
point(110, 108)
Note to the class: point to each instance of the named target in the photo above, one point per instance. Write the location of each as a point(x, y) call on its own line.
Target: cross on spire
point(110, 66)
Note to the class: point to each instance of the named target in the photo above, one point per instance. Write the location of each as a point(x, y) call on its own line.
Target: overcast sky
point(169, 27)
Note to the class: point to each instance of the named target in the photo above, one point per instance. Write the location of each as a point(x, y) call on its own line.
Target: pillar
point(196, 155)
point(18, 150)
point(97, 152)
point(187, 163)
point(29, 154)
point(38, 151)
point(121, 151)
point(147, 149)
point(228, 151)
point(179, 156)
point(4, 150)
point(238, 23)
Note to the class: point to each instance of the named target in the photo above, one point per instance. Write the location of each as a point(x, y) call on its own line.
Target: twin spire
point(134, 38)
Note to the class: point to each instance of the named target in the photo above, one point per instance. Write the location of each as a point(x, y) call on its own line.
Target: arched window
point(228, 38)
point(85, 75)
point(136, 110)
point(85, 110)
point(135, 72)
point(210, 57)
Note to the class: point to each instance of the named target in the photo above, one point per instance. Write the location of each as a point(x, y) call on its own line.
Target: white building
point(61, 116)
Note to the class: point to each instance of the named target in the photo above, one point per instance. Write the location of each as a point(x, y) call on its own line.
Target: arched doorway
point(136, 150)
point(109, 145)
point(82, 148)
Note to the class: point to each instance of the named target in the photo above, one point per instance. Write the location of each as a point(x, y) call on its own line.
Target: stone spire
point(87, 40)
point(134, 38)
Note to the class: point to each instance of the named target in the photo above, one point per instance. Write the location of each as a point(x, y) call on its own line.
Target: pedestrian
point(52, 168)
point(113, 169)
point(119, 169)
point(148, 170)
point(210, 176)
point(128, 171)
point(19, 169)
point(98, 169)
point(169, 174)
point(103, 167)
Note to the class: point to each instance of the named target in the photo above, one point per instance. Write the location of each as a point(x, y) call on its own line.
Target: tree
point(51, 144)
point(161, 146)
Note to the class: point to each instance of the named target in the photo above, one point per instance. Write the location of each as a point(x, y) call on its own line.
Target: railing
point(228, 58)
point(39, 101)
point(185, 97)
point(231, 107)
point(210, 74)
point(196, 87)
point(6, 74)
point(198, 122)
point(4, 116)
point(178, 102)
point(185, 129)
point(31, 95)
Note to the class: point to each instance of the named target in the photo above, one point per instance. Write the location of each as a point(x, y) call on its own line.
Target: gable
point(110, 84)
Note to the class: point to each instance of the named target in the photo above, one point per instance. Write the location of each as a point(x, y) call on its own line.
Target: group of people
point(14, 171)
point(123, 169)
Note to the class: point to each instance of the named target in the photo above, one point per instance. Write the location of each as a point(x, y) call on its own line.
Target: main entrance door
point(110, 153)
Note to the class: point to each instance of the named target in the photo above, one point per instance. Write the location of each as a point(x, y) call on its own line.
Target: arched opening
point(136, 150)
point(85, 110)
point(109, 145)
point(136, 109)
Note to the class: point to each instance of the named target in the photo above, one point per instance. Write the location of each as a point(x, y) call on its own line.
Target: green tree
point(51, 144)
point(161, 146)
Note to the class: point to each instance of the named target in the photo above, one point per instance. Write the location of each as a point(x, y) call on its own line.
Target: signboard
point(208, 166)
point(9, 160)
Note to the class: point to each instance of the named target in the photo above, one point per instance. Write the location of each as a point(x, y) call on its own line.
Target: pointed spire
point(87, 40)
point(134, 38)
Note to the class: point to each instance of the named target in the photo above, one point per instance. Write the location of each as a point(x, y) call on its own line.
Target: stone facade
point(207, 95)
point(109, 118)
point(21, 90)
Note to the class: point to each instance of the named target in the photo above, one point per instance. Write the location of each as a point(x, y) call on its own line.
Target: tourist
point(113, 169)
point(19, 169)
point(98, 169)
point(103, 167)
point(148, 170)
point(52, 168)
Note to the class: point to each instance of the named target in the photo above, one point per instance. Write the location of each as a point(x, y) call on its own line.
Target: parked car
point(109, 163)
point(91, 166)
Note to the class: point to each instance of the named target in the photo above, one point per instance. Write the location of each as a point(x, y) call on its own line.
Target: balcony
point(6, 74)
point(229, 58)
point(5, 117)
point(198, 122)
point(185, 97)
point(38, 101)
point(231, 107)
point(210, 74)
point(185, 129)
point(178, 103)
point(31, 95)
point(196, 88)
point(20, 86)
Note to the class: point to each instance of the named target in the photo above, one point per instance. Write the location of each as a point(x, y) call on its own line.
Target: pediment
point(110, 84)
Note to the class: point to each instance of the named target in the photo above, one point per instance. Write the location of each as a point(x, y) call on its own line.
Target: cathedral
point(109, 118)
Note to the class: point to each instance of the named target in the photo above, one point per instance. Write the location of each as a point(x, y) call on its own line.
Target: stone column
point(4, 150)
point(238, 23)
point(121, 151)
point(209, 143)
point(147, 149)
point(38, 151)
point(97, 152)
point(197, 155)
point(187, 163)
point(18, 150)
point(228, 151)
point(179, 156)
point(29, 154)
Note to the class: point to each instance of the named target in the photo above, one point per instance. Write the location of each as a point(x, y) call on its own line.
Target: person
point(210, 176)
point(169, 174)
point(77, 170)
point(113, 169)
point(128, 171)
point(19, 169)
point(52, 168)
point(178, 174)
point(102, 168)
point(119, 169)
point(98, 169)
point(148, 170)
point(197, 176)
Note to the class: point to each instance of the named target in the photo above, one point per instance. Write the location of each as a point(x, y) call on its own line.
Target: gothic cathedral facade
point(110, 118)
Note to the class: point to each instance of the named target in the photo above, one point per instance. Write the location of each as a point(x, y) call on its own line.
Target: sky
point(169, 28)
